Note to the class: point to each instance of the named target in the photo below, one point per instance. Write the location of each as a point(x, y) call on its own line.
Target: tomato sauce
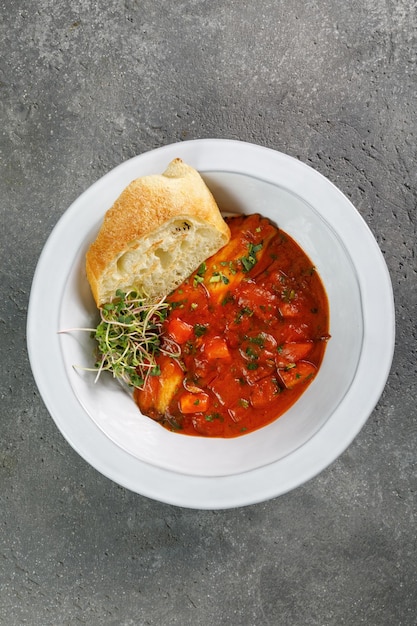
point(252, 324)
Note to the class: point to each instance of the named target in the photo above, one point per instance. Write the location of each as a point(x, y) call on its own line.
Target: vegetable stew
point(252, 323)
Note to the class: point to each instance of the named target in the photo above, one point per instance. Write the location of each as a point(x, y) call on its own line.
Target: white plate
point(115, 413)
point(197, 472)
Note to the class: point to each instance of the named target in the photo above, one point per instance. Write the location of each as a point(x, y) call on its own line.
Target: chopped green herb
point(199, 330)
point(288, 295)
point(245, 311)
point(259, 340)
point(212, 416)
point(254, 249)
point(251, 353)
point(219, 276)
point(178, 304)
point(290, 366)
point(197, 280)
point(229, 265)
point(199, 276)
point(228, 298)
point(250, 260)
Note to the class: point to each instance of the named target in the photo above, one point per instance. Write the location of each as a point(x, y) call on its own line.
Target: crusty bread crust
point(156, 234)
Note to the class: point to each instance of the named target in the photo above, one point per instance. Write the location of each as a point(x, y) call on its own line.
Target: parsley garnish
point(244, 311)
point(259, 340)
point(199, 276)
point(213, 416)
point(250, 259)
point(219, 277)
point(199, 330)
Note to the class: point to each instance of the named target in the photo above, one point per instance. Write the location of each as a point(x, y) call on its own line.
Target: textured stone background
point(85, 86)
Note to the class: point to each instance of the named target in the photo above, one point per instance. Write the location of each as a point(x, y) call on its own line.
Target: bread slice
point(159, 230)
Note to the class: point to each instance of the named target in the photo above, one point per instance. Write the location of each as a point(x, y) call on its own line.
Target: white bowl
point(246, 179)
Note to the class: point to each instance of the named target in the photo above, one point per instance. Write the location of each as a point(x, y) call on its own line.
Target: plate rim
point(252, 486)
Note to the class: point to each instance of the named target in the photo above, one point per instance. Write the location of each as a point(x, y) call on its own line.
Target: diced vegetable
point(216, 348)
point(209, 425)
point(264, 392)
point(193, 403)
point(179, 330)
point(297, 373)
point(292, 352)
point(288, 309)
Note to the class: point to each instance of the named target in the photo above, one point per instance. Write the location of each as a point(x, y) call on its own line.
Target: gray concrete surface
point(85, 86)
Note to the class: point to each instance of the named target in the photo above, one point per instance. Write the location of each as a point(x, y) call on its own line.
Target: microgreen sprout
point(129, 337)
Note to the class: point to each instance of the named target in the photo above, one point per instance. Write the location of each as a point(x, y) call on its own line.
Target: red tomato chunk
point(252, 324)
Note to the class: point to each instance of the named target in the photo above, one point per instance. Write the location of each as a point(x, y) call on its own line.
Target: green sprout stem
point(129, 338)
